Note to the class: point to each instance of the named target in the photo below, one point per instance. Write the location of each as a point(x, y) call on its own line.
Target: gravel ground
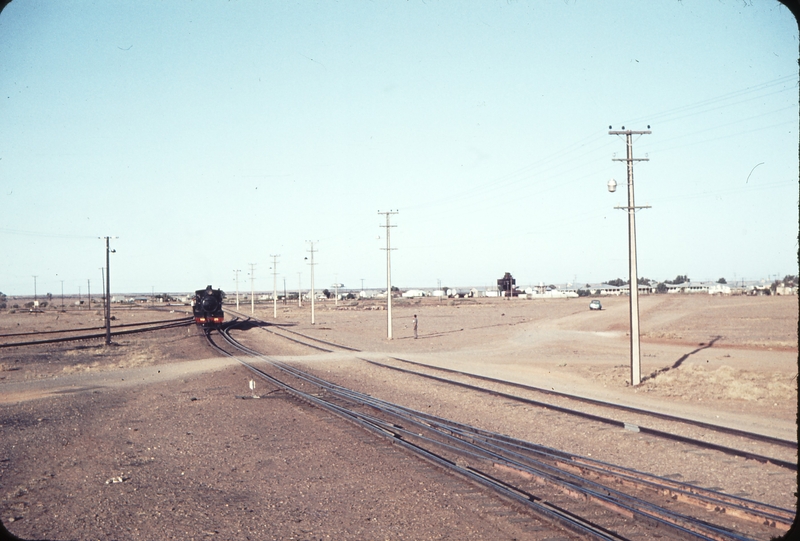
point(150, 438)
point(166, 462)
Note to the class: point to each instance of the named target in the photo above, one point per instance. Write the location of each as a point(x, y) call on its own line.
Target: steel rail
point(561, 479)
point(757, 511)
point(319, 348)
point(661, 518)
point(617, 475)
point(712, 500)
point(701, 424)
point(543, 509)
point(614, 422)
point(747, 509)
point(630, 504)
point(720, 502)
point(709, 426)
point(94, 336)
point(65, 331)
point(327, 342)
point(283, 328)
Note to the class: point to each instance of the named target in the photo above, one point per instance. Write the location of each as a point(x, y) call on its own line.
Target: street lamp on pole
point(636, 356)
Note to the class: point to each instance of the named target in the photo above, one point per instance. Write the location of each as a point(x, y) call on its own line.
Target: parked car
point(595, 305)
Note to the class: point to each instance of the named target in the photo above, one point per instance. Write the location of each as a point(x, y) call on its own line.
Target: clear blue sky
point(210, 135)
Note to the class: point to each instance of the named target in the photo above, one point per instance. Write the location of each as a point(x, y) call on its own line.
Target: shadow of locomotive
point(6, 535)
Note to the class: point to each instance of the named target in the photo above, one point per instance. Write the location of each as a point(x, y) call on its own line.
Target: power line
point(670, 113)
point(726, 136)
point(45, 235)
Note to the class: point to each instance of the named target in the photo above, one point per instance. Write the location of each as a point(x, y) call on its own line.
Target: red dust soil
point(149, 438)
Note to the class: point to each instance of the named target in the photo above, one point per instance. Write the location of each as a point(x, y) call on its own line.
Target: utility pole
point(237, 271)
point(388, 272)
point(252, 290)
point(34, 291)
point(275, 285)
point(299, 289)
point(108, 290)
point(89, 292)
point(336, 289)
point(312, 280)
point(636, 356)
point(62, 294)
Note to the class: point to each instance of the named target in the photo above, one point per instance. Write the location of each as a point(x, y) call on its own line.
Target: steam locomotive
point(207, 306)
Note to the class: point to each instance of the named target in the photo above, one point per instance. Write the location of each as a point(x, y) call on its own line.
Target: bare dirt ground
point(146, 439)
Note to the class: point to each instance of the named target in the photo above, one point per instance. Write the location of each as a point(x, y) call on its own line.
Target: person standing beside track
point(415, 325)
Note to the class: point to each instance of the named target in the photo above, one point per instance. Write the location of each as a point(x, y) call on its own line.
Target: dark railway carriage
point(207, 306)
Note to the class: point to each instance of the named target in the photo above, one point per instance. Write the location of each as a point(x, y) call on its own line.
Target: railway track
point(117, 330)
point(689, 431)
point(585, 496)
point(703, 435)
point(284, 331)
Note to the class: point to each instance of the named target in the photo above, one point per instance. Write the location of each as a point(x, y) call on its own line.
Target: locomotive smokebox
point(207, 306)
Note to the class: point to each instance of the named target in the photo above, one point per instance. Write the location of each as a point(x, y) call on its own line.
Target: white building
point(414, 294)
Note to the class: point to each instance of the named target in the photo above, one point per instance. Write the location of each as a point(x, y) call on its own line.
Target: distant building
point(414, 294)
point(719, 289)
point(552, 293)
point(785, 290)
point(507, 285)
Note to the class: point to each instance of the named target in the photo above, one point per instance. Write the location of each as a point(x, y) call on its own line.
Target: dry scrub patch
point(694, 382)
